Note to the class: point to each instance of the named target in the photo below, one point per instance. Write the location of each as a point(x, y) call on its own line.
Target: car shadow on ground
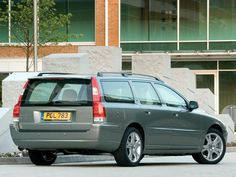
point(147, 164)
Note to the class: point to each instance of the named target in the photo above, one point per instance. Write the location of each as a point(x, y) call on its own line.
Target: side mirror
point(192, 105)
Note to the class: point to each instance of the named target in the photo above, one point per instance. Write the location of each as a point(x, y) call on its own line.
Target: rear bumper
point(100, 137)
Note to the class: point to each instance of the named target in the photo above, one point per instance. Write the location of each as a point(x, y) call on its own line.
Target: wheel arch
point(139, 128)
point(217, 127)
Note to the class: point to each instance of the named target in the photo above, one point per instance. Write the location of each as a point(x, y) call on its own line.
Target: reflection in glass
point(3, 26)
point(134, 20)
point(163, 20)
point(227, 89)
point(205, 81)
point(193, 19)
point(195, 65)
point(222, 19)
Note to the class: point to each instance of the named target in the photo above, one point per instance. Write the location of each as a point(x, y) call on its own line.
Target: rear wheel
point(130, 151)
point(213, 149)
point(42, 157)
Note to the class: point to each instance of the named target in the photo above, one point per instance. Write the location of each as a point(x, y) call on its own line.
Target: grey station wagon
point(127, 115)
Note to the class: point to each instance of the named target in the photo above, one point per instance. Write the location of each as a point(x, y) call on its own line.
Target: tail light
point(99, 112)
point(16, 110)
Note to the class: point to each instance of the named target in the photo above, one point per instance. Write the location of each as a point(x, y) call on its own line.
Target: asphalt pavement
point(179, 166)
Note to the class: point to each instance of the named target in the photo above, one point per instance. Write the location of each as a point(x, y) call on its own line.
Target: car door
point(184, 125)
point(153, 115)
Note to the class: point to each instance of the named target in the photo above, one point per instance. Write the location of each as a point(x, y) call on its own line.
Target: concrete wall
point(12, 87)
point(65, 63)
point(6, 143)
point(229, 126)
point(107, 59)
point(90, 60)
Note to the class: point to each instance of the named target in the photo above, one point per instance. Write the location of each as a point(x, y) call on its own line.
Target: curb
point(231, 149)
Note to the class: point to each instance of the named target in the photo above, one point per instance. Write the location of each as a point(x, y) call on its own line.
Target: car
point(125, 114)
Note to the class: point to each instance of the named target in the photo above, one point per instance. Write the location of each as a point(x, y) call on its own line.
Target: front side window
point(117, 92)
point(146, 93)
point(170, 97)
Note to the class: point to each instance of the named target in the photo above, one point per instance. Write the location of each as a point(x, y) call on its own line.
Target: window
point(117, 92)
point(148, 20)
point(163, 20)
point(193, 20)
point(146, 93)
point(170, 97)
point(134, 20)
point(222, 20)
point(82, 20)
point(195, 65)
point(3, 26)
point(58, 92)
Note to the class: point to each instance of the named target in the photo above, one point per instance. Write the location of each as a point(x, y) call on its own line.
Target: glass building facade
point(187, 26)
point(178, 25)
point(82, 21)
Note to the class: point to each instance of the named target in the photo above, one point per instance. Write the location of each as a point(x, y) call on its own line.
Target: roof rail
point(101, 74)
point(48, 73)
point(143, 75)
point(127, 74)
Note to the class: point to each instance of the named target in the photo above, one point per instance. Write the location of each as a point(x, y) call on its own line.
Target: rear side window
point(146, 93)
point(58, 92)
point(117, 92)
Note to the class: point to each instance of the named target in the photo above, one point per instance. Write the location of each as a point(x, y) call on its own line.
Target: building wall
point(18, 51)
point(100, 22)
point(113, 29)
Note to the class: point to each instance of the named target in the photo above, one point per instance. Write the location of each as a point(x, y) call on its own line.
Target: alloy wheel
point(213, 147)
point(133, 147)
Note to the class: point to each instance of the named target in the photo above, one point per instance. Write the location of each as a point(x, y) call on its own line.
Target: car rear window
point(115, 91)
point(58, 92)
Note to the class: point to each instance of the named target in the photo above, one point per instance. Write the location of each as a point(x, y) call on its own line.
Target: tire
point(43, 158)
point(130, 151)
point(213, 149)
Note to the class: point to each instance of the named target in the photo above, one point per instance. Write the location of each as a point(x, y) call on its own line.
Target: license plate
point(56, 116)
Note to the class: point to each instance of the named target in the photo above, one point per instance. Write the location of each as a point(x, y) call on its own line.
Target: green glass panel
point(163, 20)
point(195, 65)
point(193, 46)
point(227, 64)
point(126, 66)
point(143, 47)
point(134, 20)
point(3, 26)
point(61, 8)
point(222, 19)
point(227, 89)
point(83, 20)
point(223, 45)
point(205, 81)
point(193, 19)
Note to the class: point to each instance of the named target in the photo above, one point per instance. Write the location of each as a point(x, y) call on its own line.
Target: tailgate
point(57, 104)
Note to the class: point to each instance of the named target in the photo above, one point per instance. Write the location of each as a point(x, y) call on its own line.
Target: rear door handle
point(175, 114)
point(148, 112)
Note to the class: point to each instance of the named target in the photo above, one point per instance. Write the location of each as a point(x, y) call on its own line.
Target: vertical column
point(100, 22)
point(113, 22)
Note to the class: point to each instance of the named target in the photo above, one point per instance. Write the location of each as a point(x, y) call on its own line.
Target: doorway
point(208, 79)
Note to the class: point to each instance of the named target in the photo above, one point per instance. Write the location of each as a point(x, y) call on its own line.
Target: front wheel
point(213, 149)
point(130, 151)
point(42, 157)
